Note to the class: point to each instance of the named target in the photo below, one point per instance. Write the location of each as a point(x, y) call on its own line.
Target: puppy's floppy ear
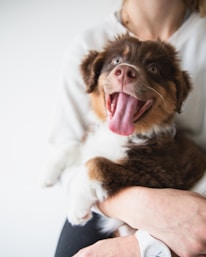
point(182, 81)
point(183, 86)
point(91, 68)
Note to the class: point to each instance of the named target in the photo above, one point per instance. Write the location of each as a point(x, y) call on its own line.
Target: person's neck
point(153, 19)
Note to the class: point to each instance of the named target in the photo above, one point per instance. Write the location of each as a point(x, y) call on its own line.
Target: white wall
point(33, 37)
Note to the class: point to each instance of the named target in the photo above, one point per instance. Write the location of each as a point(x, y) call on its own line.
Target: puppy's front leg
point(112, 176)
point(93, 182)
point(82, 193)
point(60, 157)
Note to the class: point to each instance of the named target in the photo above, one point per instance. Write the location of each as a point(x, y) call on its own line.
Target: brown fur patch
point(126, 51)
point(94, 169)
point(162, 111)
point(98, 103)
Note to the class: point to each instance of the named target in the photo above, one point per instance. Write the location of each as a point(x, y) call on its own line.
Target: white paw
point(79, 216)
point(51, 175)
point(82, 195)
point(49, 180)
point(60, 157)
point(81, 199)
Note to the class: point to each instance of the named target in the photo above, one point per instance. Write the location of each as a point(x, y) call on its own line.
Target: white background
point(34, 35)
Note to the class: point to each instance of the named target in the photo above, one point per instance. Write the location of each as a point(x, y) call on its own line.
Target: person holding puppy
point(176, 218)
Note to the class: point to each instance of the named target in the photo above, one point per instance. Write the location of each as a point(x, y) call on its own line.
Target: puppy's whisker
point(162, 98)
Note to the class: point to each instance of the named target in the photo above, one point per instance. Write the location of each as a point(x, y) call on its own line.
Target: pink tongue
point(122, 119)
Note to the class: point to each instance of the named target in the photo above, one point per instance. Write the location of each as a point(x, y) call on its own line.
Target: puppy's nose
point(125, 73)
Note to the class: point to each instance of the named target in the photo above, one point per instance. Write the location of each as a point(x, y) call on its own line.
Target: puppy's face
point(134, 85)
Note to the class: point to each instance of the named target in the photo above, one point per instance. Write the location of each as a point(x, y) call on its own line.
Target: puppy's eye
point(152, 68)
point(116, 60)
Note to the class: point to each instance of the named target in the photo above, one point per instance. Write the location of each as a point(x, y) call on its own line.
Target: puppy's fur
point(135, 88)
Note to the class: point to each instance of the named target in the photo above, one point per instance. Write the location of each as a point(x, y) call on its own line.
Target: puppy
point(135, 88)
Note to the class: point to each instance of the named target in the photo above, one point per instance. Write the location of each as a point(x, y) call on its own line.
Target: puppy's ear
point(91, 68)
point(184, 86)
point(182, 81)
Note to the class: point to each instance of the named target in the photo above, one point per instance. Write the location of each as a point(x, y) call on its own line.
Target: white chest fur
point(102, 142)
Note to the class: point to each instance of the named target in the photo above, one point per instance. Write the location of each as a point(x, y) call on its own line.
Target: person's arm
point(178, 218)
point(69, 119)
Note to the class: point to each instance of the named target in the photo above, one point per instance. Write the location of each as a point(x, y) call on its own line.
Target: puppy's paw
point(79, 216)
point(59, 159)
point(49, 179)
point(51, 174)
point(81, 196)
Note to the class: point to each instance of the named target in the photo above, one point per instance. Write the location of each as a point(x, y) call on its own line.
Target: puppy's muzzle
point(124, 73)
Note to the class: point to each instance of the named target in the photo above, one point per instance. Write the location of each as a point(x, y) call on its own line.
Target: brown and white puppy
point(135, 88)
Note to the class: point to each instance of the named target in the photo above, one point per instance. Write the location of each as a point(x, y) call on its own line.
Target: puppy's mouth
point(123, 111)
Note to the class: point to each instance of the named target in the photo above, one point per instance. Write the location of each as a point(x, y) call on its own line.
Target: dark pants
point(74, 238)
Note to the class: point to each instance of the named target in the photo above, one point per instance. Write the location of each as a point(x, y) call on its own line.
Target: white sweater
point(72, 109)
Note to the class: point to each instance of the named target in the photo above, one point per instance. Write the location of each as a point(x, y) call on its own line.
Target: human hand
point(178, 218)
point(113, 247)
